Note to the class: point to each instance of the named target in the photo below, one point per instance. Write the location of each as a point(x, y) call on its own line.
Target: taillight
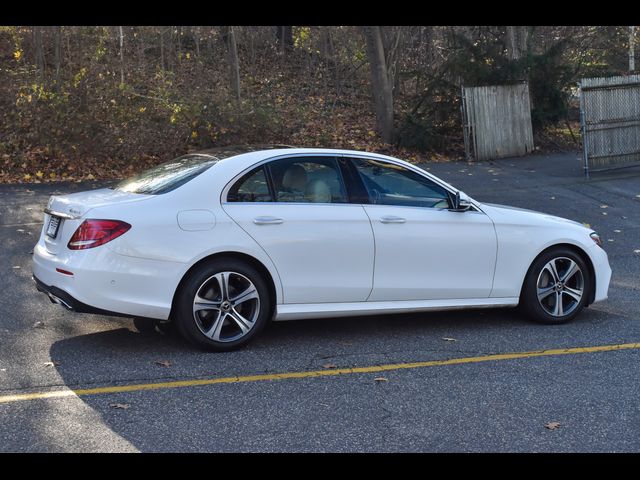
point(92, 233)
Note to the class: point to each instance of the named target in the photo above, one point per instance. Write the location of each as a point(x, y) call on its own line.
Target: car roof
point(220, 153)
point(254, 153)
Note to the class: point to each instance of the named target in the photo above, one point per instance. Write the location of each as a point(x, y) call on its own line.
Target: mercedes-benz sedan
point(221, 242)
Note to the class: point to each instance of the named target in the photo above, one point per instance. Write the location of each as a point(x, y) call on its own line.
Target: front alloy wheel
point(557, 286)
point(560, 286)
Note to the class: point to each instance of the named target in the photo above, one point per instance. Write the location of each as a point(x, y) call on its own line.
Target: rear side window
point(252, 187)
point(167, 176)
point(307, 180)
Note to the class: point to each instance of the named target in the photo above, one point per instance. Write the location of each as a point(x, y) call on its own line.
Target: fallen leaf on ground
point(329, 365)
point(588, 225)
point(38, 324)
point(122, 406)
point(552, 425)
point(447, 339)
point(380, 379)
point(163, 363)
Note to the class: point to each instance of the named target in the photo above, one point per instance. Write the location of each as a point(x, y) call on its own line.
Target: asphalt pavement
point(500, 405)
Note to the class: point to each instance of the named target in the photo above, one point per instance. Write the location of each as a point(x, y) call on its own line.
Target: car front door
point(297, 210)
point(424, 251)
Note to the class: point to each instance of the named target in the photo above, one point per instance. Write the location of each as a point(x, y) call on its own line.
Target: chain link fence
point(610, 122)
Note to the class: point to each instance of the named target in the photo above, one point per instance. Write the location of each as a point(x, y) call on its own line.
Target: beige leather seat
point(318, 192)
point(294, 184)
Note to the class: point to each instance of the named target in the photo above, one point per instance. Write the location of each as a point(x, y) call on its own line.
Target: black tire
point(145, 325)
point(203, 279)
point(553, 287)
point(166, 327)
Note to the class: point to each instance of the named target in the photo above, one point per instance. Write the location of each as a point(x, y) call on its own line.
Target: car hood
point(508, 214)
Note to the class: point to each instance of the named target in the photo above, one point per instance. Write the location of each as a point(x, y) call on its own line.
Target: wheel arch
point(254, 262)
point(578, 251)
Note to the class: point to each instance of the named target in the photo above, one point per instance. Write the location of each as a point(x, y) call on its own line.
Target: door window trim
point(354, 168)
point(347, 156)
point(224, 197)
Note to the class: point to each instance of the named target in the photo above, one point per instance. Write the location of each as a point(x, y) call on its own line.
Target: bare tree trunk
point(38, 50)
point(196, 39)
point(252, 46)
point(210, 42)
point(382, 87)
point(632, 58)
point(179, 47)
point(171, 51)
point(69, 48)
point(516, 40)
point(284, 36)
point(121, 35)
point(162, 49)
point(57, 52)
point(140, 48)
point(234, 66)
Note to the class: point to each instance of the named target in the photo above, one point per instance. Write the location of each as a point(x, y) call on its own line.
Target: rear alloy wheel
point(222, 305)
point(557, 286)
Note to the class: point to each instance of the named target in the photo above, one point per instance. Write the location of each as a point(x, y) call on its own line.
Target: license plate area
point(54, 225)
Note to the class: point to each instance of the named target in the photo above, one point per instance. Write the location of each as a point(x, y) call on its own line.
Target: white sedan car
point(221, 242)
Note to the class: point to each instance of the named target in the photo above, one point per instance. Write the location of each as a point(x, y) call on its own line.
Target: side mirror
point(460, 204)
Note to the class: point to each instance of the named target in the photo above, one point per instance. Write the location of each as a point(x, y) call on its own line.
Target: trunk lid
point(70, 210)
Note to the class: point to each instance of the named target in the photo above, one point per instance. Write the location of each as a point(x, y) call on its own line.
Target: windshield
point(167, 176)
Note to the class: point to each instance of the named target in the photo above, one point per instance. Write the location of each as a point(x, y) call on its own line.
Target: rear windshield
point(167, 176)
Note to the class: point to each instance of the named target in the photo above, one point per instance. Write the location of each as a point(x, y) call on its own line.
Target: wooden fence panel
point(499, 120)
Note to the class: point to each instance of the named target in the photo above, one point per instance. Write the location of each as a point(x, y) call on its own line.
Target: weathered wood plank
point(500, 120)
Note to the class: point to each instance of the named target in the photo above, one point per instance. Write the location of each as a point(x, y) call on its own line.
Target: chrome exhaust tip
point(59, 301)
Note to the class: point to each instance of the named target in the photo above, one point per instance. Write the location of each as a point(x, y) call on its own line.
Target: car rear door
point(297, 210)
point(424, 251)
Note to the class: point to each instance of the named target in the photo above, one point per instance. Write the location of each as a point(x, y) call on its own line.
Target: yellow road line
point(314, 373)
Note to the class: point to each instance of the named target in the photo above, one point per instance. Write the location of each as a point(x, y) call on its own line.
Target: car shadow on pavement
point(257, 416)
point(122, 354)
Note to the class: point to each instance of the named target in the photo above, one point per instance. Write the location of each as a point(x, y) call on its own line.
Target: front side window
point(252, 187)
point(390, 184)
point(307, 180)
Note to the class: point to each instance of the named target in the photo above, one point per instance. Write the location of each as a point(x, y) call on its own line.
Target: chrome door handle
point(267, 221)
point(392, 219)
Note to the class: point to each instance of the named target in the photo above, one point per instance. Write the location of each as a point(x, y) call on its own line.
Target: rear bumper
point(107, 283)
point(60, 297)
